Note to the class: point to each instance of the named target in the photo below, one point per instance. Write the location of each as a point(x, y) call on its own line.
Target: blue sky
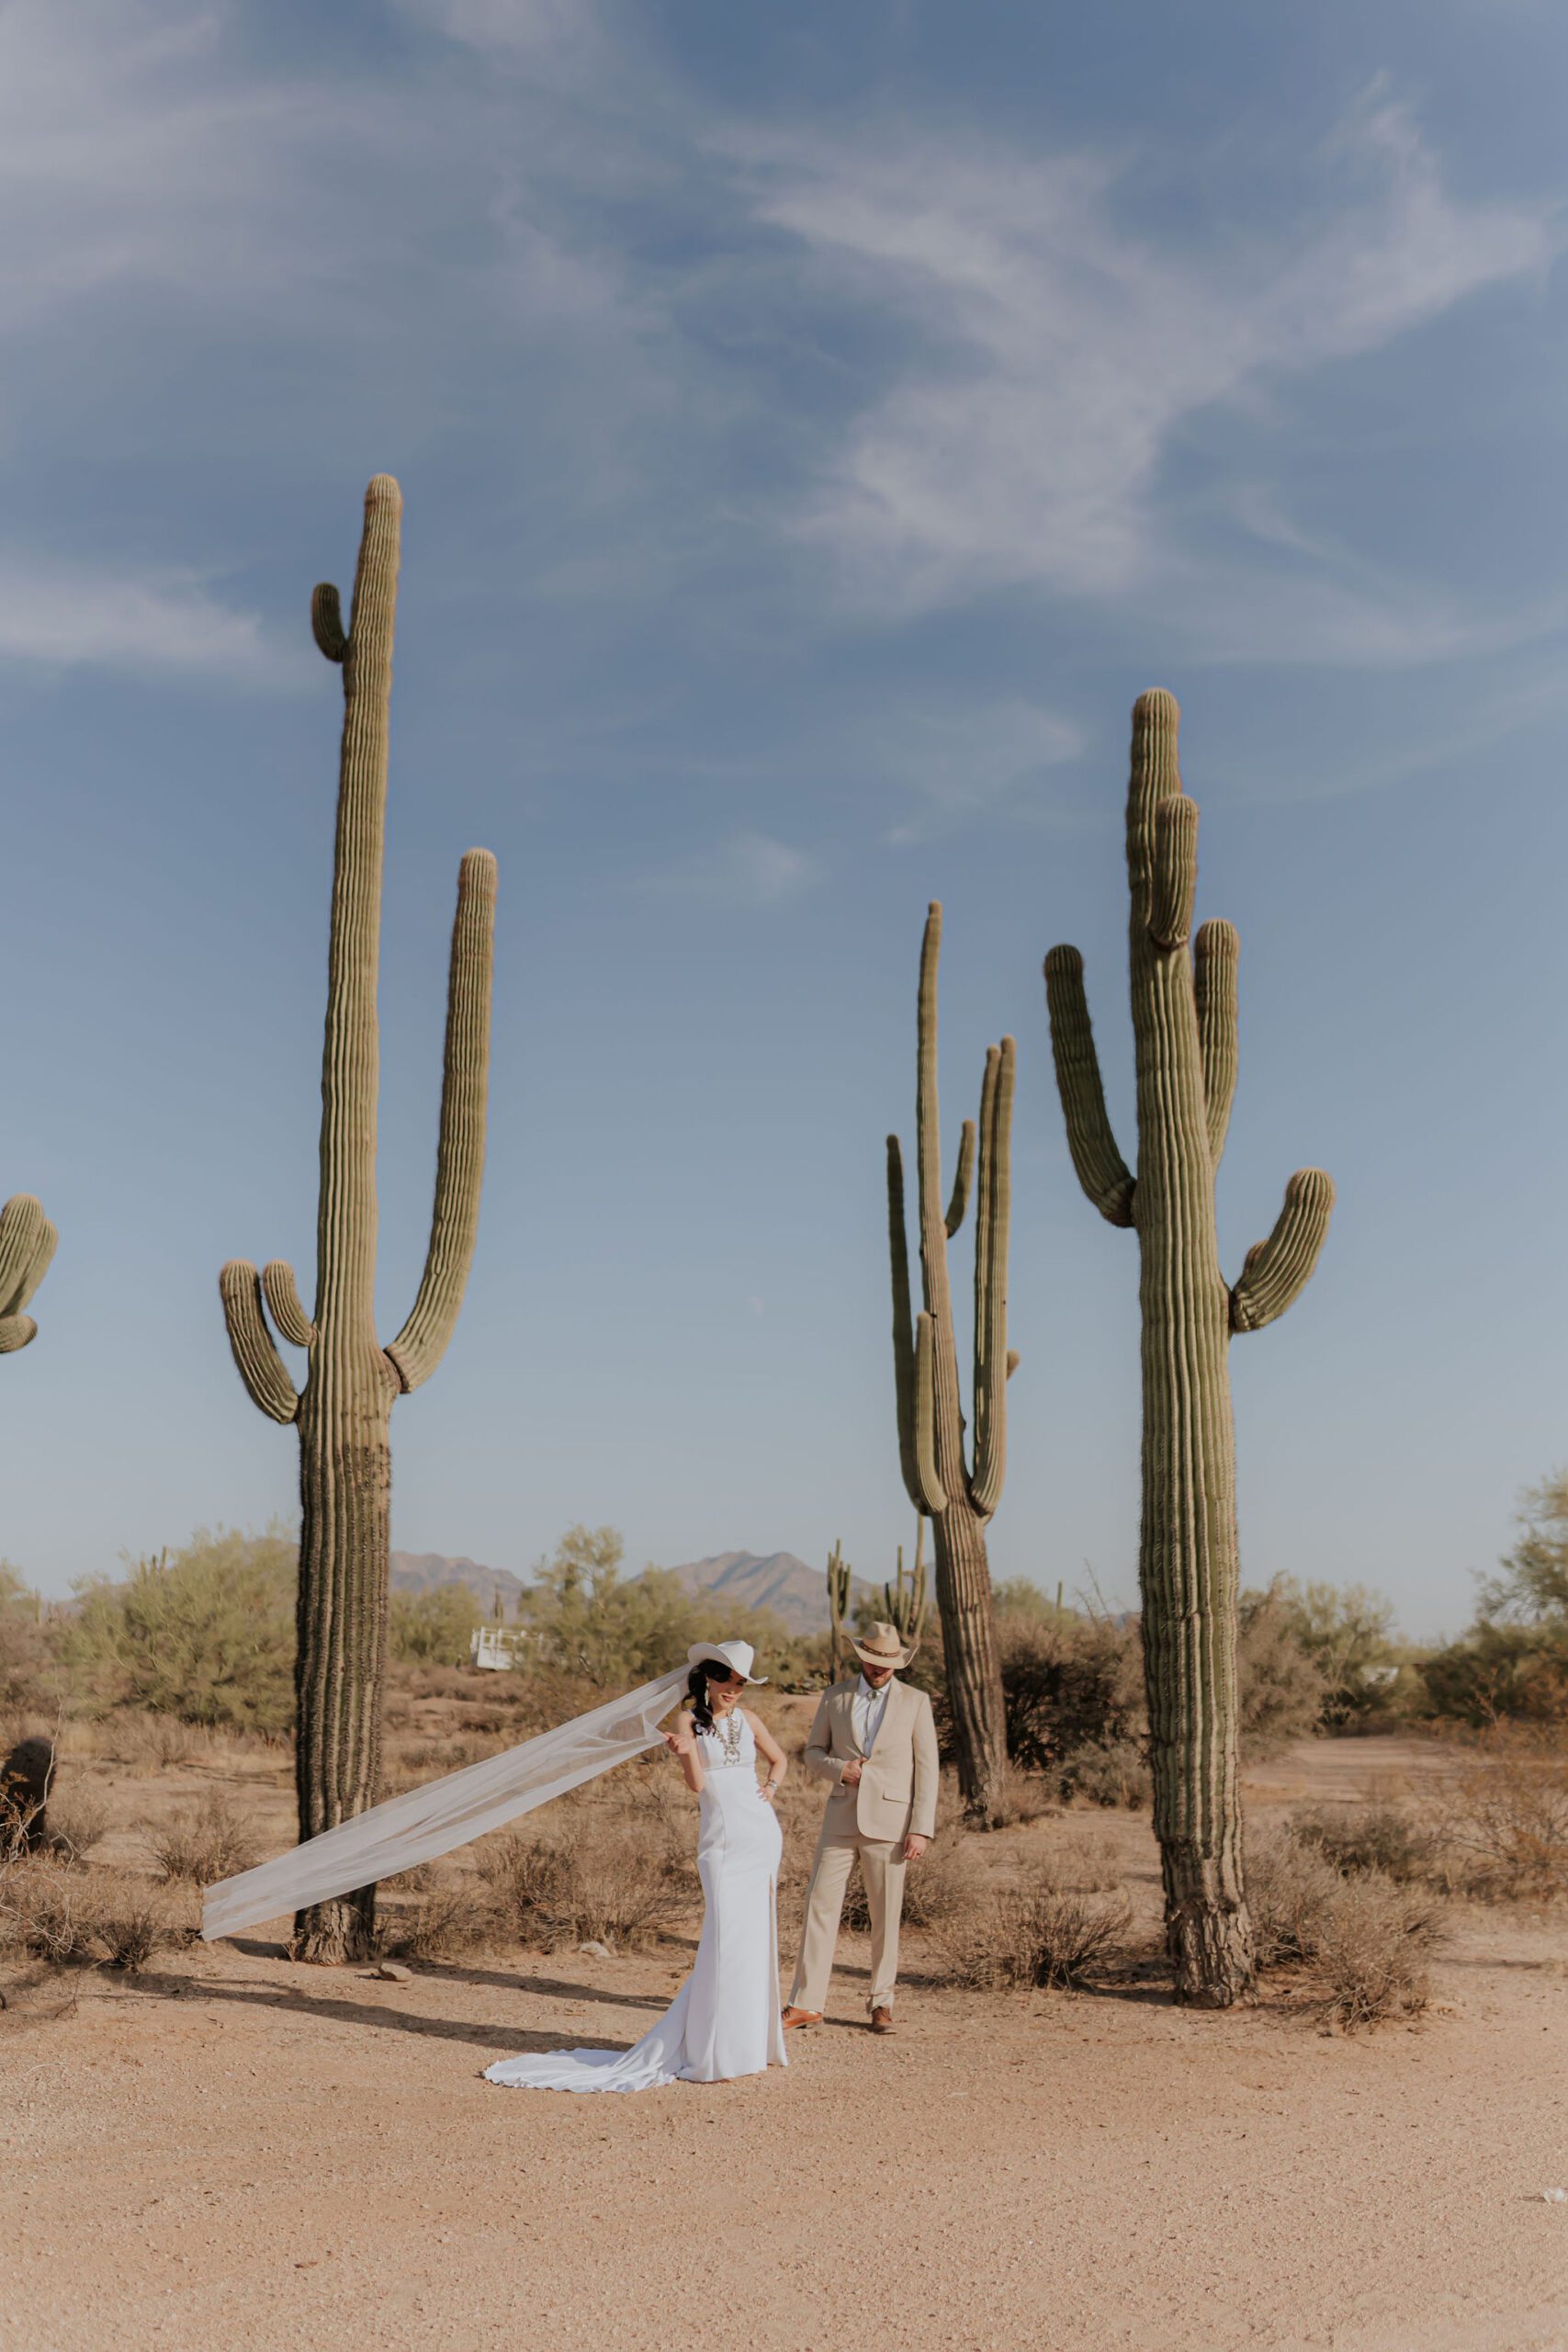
point(816, 426)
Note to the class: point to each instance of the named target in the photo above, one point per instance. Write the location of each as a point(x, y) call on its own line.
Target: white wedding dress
point(726, 2018)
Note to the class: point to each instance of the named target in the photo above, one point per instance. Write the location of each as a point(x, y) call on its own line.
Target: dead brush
point(52, 1913)
point(1372, 1951)
point(1042, 1935)
point(1289, 1887)
point(1364, 1940)
point(1379, 1836)
point(594, 1881)
point(78, 1818)
point(456, 1916)
point(203, 1843)
point(1508, 1813)
point(1088, 1862)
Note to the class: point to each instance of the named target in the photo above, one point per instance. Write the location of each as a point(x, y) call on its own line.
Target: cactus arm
point(256, 1351)
point(1218, 947)
point(28, 1242)
point(960, 1200)
point(282, 1297)
point(1101, 1171)
point(1014, 1360)
point(993, 1214)
point(929, 1495)
point(903, 1322)
point(460, 1155)
point(1277, 1270)
point(16, 1331)
point(1174, 880)
point(326, 621)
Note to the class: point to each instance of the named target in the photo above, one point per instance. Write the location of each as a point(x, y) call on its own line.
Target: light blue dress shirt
point(867, 1709)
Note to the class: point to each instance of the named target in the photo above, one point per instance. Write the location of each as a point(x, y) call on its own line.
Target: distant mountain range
point(779, 1582)
point(426, 1571)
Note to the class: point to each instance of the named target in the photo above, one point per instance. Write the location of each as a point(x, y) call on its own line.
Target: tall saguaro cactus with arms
point(27, 1244)
point(1184, 1027)
point(959, 1497)
point(343, 1410)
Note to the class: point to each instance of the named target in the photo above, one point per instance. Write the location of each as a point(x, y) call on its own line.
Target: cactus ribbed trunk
point(345, 1410)
point(958, 1500)
point(1188, 1561)
point(345, 1495)
point(1184, 1009)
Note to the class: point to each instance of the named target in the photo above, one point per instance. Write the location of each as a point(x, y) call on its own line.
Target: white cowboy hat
point(739, 1655)
point(883, 1645)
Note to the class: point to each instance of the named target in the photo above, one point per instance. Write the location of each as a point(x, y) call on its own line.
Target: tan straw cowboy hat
point(883, 1645)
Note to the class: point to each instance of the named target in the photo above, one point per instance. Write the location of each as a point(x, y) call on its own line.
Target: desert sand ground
point(229, 2151)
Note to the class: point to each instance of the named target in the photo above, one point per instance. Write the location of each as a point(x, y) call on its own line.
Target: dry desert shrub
point(1365, 1939)
point(456, 1915)
point(1026, 1796)
point(1088, 1863)
point(1372, 1952)
point(602, 1878)
point(78, 1818)
point(1289, 1887)
point(1041, 1935)
point(50, 1912)
point(203, 1843)
point(1508, 1812)
point(1379, 1837)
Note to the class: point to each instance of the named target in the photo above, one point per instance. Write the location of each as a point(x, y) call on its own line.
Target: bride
point(725, 2019)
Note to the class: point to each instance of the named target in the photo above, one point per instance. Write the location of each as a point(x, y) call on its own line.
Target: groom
point(875, 1740)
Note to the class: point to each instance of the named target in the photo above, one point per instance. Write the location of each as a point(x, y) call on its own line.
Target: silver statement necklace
point(726, 1730)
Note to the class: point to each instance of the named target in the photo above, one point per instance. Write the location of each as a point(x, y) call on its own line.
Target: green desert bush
point(1283, 1688)
point(1106, 1772)
point(205, 1637)
point(433, 1628)
point(582, 1615)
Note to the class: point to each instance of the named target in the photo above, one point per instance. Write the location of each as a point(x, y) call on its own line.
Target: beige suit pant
point(882, 1870)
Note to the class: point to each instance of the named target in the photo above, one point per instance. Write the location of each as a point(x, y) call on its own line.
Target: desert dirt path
point(233, 2152)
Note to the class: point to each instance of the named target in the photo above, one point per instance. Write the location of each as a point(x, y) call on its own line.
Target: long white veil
point(431, 1820)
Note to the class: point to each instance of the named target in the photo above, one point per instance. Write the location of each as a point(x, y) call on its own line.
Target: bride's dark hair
point(697, 1686)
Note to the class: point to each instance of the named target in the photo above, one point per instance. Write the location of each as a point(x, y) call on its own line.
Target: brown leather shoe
point(792, 2018)
point(882, 2020)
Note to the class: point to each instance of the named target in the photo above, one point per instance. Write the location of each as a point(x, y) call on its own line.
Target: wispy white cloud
point(1051, 357)
point(747, 869)
point(66, 617)
point(959, 757)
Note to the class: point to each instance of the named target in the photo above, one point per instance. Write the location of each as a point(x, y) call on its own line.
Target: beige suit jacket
point(897, 1794)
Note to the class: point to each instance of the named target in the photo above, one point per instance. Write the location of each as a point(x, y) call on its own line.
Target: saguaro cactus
point(838, 1584)
point(904, 1601)
point(27, 1244)
point(957, 1499)
point(343, 1410)
point(1184, 1027)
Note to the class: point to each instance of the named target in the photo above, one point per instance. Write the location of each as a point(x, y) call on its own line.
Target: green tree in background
point(434, 1628)
point(582, 1615)
point(205, 1635)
